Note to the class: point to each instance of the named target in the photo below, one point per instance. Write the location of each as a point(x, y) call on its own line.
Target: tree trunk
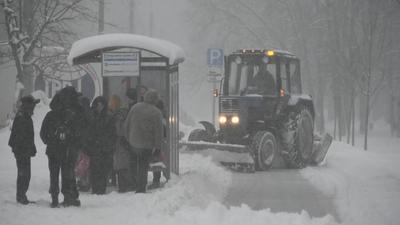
point(101, 17)
point(335, 116)
point(362, 114)
point(320, 120)
point(340, 117)
point(131, 16)
point(349, 113)
point(366, 119)
point(353, 117)
point(27, 79)
point(349, 117)
point(27, 19)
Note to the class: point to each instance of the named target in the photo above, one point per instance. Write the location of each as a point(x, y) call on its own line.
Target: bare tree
point(31, 25)
point(373, 29)
point(343, 45)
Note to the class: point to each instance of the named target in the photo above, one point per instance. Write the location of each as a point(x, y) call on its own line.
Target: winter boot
point(71, 202)
point(54, 201)
point(23, 200)
point(154, 185)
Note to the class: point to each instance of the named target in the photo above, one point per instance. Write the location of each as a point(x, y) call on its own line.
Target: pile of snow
point(217, 214)
point(225, 156)
point(186, 130)
point(192, 198)
point(365, 185)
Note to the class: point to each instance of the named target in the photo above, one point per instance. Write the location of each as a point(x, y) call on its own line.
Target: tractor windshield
point(251, 76)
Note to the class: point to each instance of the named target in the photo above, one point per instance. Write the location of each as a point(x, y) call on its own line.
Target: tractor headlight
point(222, 119)
point(235, 119)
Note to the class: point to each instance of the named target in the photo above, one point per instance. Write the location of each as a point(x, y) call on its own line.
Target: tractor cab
point(256, 87)
point(262, 72)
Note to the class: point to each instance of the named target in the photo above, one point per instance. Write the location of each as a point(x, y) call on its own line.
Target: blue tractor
point(263, 112)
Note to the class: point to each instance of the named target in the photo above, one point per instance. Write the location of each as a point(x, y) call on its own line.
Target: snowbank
point(217, 214)
point(364, 184)
point(225, 156)
point(192, 198)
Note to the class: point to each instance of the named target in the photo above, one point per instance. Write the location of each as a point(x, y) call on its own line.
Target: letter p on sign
point(215, 57)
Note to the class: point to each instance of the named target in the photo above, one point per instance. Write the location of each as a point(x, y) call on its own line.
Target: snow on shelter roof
point(88, 45)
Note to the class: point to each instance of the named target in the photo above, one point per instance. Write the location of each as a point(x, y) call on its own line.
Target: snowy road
point(281, 191)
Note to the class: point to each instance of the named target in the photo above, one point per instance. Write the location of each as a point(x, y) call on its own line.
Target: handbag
point(82, 165)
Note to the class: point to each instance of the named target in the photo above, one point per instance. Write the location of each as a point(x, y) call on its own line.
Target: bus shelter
point(141, 62)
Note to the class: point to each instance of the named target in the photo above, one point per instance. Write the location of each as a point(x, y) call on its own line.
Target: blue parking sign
point(215, 57)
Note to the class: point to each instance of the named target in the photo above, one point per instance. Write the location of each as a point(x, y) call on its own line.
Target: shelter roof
point(96, 44)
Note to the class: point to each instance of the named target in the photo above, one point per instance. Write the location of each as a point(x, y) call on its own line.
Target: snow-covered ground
point(365, 186)
point(192, 198)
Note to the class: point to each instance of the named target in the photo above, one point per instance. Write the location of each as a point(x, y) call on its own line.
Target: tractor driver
point(264, 82)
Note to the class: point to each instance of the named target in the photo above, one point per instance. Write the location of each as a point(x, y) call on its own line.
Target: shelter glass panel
point(117, 86)
point(155, 79)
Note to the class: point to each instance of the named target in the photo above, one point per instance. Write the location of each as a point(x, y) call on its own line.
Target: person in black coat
point(60, 131)
point(23, 145)
point(101, 145)
point(83, 181)
point(131, 93)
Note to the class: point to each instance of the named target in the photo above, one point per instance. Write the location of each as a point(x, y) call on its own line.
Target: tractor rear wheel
point(302, 150)
point(264, 147)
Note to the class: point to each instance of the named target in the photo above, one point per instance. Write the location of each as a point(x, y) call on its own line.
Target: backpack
point(63, 132)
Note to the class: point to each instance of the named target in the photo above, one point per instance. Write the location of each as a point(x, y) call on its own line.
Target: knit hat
point(151, 97)
point(29, 100)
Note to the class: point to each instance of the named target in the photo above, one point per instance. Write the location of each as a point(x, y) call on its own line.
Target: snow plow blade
point(235, 157)
point(320, 149)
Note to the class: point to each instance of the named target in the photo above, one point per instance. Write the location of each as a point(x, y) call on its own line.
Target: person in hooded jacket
point(60, 131)
point(23, 145)
point(143, 129)
point(101, 145)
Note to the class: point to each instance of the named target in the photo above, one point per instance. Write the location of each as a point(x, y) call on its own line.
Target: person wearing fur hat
point(23, 145)
point(143, 129)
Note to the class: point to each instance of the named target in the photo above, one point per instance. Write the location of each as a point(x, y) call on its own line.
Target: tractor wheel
point(300, 156)
point(198, 135)
point(264, 147)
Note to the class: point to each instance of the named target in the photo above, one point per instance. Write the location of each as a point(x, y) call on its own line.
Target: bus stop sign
point(215, 57)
